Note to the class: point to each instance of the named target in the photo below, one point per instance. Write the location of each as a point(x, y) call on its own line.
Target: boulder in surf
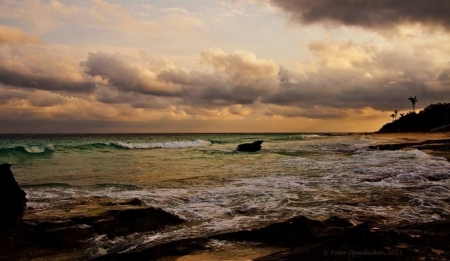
point(250, 147)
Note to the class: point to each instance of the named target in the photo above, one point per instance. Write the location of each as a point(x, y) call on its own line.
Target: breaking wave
point(27, 149)
point(163, 145)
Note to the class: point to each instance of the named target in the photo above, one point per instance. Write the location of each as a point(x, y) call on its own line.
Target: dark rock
point(293, 232)
point(66, 236)
point(134, 202)
point(250, 147)
point(12, 199)
point(427, 241)
point(439, 147)
point(155, 252)
point(68, 227)
point(136, 220)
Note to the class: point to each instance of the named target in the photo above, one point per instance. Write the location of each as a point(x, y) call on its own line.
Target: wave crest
point(38, 149)
point(163, 145)
point(28, 150)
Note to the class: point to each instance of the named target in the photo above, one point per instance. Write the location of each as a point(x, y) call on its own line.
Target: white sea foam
point(35, 149)
point(311, 136)
point(343, 178)
point(164, 145)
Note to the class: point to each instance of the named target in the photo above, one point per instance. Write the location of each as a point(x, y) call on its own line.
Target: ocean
point(202, 178)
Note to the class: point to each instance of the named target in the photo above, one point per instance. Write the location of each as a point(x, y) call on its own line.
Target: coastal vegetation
point(435, 117)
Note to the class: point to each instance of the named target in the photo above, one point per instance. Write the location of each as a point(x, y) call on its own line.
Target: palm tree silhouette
point(413, 101)
point(393, 116)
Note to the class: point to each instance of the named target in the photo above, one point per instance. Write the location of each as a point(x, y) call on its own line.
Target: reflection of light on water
point(225, 191)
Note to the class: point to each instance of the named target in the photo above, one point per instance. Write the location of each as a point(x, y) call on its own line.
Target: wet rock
point(250, 147)
point(12, 199)
point(73, 222)
point(428, 241)
point(295, 231)
point(134, 202)
point(157, 251)
point(66, 236)
point(440, 147)
point(305, 239)
point(135, 220)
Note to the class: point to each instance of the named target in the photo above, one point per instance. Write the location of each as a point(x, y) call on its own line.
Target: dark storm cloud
point(111, 95)
point(126, 76)
point(41, 82)
point(367, 13)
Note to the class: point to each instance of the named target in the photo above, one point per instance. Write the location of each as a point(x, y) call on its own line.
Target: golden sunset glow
point(218, 66)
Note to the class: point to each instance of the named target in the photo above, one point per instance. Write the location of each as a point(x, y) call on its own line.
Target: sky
point(219, 65)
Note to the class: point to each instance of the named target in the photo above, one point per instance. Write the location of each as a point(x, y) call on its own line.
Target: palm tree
point(393, 116)
point(413, 101)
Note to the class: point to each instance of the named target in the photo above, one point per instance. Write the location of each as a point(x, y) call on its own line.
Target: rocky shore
point(68, 234)
point(70, 229)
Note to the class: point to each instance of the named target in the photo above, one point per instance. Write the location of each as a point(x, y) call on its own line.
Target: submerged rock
point(250, 147)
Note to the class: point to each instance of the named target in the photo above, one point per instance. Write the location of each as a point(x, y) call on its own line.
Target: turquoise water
point(145, 160)
point(201, 177)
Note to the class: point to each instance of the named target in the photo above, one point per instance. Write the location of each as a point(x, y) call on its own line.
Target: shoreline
point(68, 233)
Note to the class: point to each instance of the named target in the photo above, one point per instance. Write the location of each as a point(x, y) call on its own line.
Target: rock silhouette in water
point(250, 147)
point(12, 199)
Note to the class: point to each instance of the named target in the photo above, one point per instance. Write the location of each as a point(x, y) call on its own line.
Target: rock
point(427, 241)
point(12, 199)
point(66, 236)
point(292, 232)
point(157, 251)
point(73, 221)
point(129, 221)
point(250, 147)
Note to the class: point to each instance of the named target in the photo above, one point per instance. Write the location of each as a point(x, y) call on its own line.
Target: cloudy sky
point(219, 65)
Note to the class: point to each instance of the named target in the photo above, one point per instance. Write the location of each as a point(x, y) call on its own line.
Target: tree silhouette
point(413, 101)
point(393, 116)
point(402, 114)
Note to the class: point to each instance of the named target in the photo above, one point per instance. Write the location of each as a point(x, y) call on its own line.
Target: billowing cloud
point(237, 78)
point(228, 65)
point(35, 98)
point(367, 13)
point(355, 76)
point(341, 76)
point(112, 95)
point(43, 68)
point(127, 75)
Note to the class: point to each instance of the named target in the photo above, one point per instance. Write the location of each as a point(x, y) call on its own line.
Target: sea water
point(202, 178)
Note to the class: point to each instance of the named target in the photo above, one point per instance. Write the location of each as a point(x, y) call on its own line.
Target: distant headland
point(434, 118)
